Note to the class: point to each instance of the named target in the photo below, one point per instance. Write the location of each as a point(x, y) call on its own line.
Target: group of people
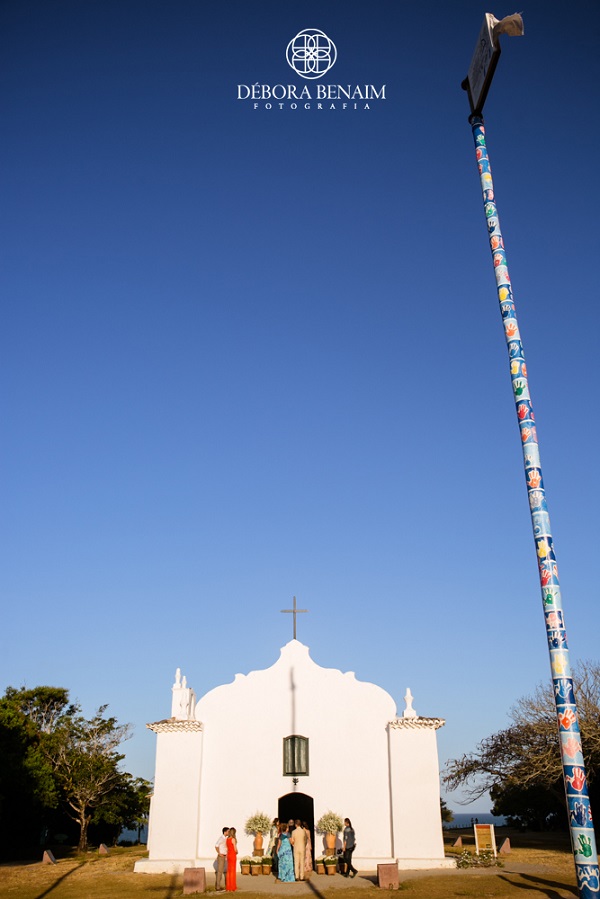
point(290, 848)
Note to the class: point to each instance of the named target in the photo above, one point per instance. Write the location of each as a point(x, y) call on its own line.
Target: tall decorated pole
point(578, 804)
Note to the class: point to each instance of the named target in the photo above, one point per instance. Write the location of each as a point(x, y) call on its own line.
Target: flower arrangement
point(267, 861)
point(485, 859)
point(258, 823)
point(330, 823)
point(256, 861)
point(330, 860)
point(245, 860)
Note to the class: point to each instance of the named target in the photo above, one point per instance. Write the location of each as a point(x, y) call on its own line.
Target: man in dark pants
point(349, 846)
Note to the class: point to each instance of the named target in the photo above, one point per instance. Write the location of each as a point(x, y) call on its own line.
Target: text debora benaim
point(319, 92)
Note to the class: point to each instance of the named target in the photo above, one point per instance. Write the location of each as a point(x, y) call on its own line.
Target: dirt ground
point(539, 865)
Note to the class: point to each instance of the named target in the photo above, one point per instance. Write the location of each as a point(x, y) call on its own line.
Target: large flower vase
point(258, 844)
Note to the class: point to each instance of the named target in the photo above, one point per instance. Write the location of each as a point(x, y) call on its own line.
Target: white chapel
point(327, 742)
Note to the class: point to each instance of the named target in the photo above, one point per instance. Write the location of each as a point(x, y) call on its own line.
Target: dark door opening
point(298, 806)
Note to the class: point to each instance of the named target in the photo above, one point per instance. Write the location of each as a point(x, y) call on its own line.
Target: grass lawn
point(540, 865)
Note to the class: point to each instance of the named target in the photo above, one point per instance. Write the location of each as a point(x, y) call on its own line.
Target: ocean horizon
point(466, 819)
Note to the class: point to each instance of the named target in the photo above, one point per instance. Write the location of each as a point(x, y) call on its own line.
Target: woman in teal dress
point(285, 856)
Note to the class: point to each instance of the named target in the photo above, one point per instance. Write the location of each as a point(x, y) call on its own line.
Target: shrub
point(485, 859)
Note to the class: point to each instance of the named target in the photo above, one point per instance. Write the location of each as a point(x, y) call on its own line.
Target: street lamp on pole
point(477, 83)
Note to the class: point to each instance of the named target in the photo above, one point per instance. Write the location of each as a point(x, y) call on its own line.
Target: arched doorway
point(298, 806)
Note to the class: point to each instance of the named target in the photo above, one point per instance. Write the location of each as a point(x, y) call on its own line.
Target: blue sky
point(253, 353)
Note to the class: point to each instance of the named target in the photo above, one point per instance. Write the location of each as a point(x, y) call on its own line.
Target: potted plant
point(267, 861)
point(256, 865)
point(258, 824)
point(330, 862)
point(330, 824)
point(245, 864)
point(320, 865)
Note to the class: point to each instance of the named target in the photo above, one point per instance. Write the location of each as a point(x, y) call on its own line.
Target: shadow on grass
point(548, 888)
point(60, 880)
point(368, 877)
point(312, 887)
point(174, 888)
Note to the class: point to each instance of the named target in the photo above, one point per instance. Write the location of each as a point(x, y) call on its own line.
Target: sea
point(132, 836)
point(463, 819)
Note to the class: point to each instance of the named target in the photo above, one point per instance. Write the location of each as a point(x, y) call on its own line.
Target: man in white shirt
point(221, 847)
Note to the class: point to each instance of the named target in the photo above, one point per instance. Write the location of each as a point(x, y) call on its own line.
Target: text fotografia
point(291, 96)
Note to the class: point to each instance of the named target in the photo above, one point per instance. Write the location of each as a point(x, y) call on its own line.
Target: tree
point(521, 765)
point(447, 814)
point(127, 805)
point(530, 808)
point(84, 758)
point(56, 763)
point(28, 789)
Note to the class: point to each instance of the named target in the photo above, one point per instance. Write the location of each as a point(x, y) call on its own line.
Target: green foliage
point(447, 814)
point(521, 765)
point(83, 754)
point(28, 789)
point(55, 761)
point(530, 808)
point(127, 805)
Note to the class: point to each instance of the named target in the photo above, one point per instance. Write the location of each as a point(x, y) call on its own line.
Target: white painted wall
point(173, 832)
point(345, 722)
point(233, 768)
point(416, 820)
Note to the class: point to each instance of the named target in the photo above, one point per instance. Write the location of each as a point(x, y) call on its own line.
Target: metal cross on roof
point(294, 612)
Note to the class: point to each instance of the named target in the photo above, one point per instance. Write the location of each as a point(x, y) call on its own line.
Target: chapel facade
point(329, 742)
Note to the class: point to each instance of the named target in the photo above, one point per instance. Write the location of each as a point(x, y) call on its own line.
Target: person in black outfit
point(349, 846)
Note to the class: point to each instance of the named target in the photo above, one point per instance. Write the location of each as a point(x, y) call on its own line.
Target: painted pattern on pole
point(578, 803)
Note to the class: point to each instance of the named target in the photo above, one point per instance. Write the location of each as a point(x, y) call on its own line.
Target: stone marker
point(48, 858)
point(387, 877)
point(505, 847)
point(194, 880)
point(103, 849)
point(458, 842)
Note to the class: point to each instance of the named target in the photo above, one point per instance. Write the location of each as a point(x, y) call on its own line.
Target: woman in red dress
point(230, 876)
